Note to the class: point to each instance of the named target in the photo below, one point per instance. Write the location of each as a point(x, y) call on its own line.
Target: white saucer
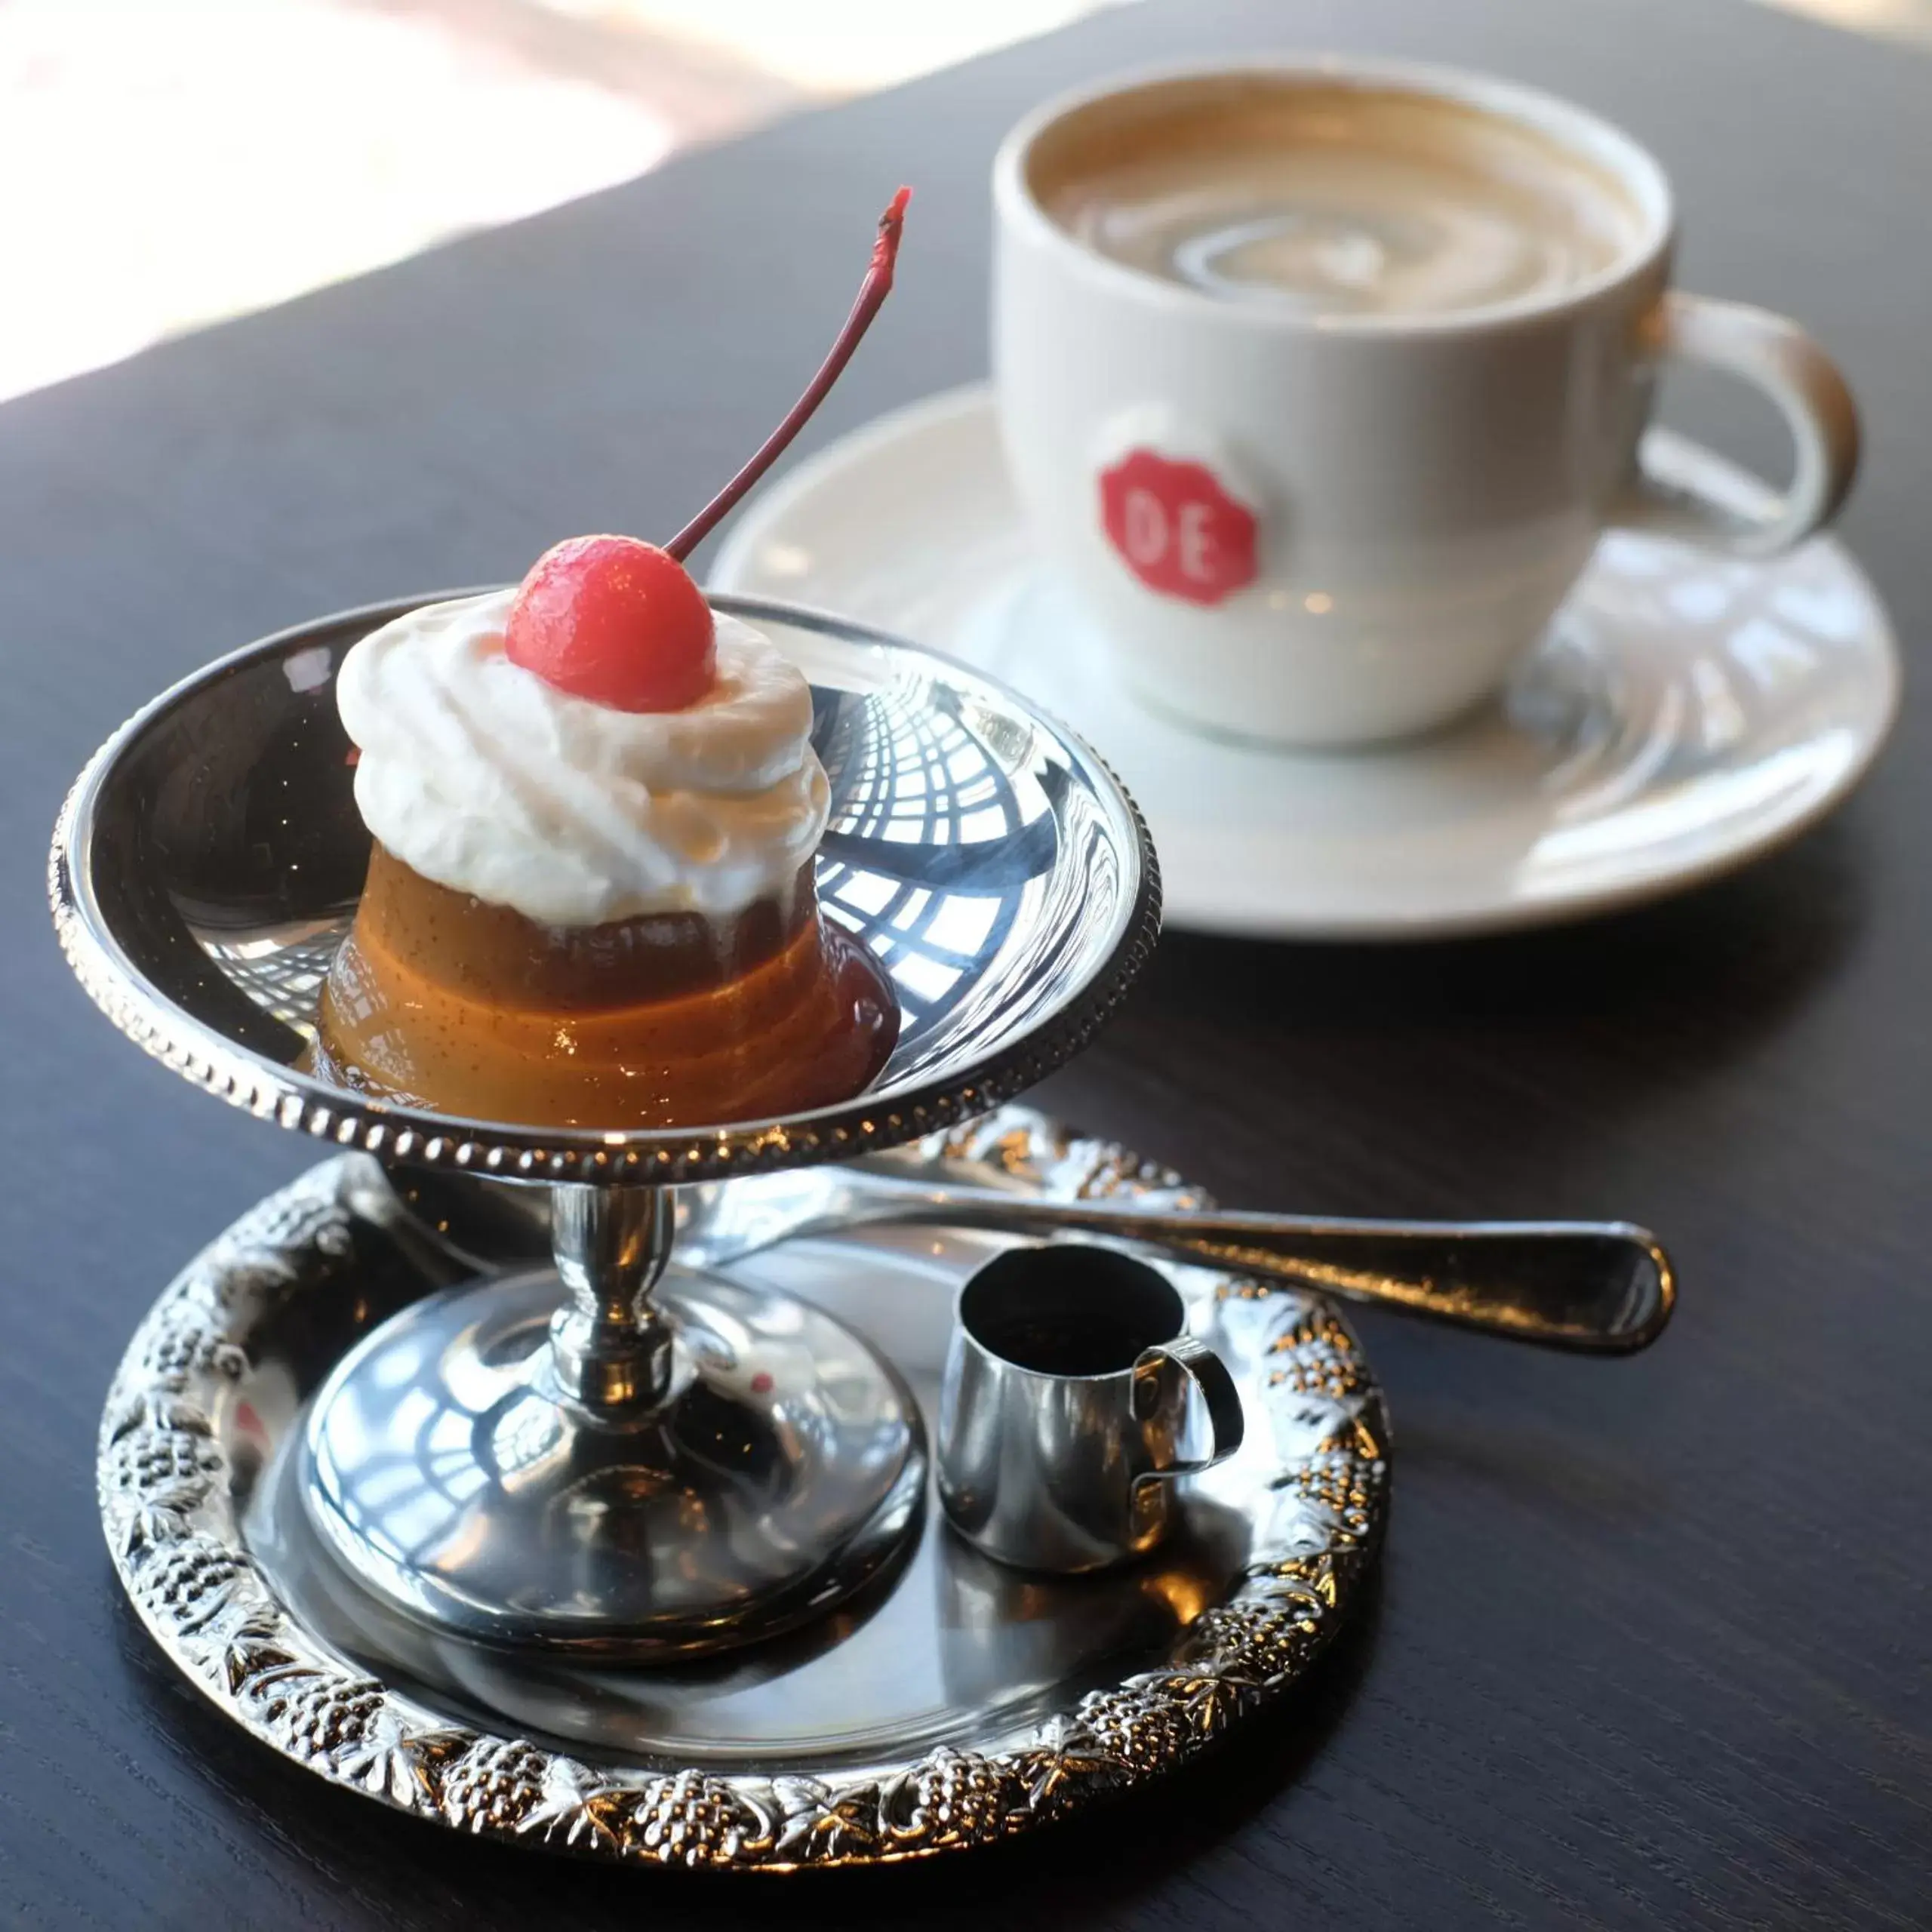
point(1687, 713)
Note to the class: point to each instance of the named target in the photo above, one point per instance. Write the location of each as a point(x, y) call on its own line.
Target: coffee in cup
point(1321, 202)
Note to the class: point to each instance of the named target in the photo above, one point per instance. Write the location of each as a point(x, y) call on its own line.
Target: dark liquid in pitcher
point(1093, 1345)
point(1067, 1309)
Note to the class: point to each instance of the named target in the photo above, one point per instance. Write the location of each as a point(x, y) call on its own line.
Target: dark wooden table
point(1651, 1643)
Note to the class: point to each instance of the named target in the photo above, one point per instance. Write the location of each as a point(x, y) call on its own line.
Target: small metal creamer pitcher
point(1067, 1385)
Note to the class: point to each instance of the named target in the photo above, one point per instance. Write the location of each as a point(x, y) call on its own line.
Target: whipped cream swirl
point(477, 774)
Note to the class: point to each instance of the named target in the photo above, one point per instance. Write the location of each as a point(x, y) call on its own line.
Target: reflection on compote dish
point(590, 902)
point(594, 804)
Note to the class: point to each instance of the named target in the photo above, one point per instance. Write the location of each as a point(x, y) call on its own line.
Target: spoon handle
point(1603, 1288)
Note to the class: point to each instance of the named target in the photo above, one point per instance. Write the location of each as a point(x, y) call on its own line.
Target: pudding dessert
point(594, 805)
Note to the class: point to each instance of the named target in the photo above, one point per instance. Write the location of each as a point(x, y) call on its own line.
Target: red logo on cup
point(1176, 528)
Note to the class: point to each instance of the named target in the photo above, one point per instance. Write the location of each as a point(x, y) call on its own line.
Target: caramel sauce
point(670, 1019)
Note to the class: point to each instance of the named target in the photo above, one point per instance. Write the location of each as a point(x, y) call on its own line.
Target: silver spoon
point(1602, 1287)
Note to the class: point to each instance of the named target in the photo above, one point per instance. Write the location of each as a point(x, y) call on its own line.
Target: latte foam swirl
point(1325, 202)
point(477, 774)
point(1328, 260)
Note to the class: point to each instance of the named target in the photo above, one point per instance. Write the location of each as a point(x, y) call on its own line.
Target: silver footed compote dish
point(607, 1457)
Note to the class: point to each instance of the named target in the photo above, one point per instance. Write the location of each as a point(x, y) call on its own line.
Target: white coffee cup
point(1335, 529)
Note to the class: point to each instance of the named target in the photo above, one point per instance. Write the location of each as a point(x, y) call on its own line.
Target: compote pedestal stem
point(610, 1346)
point(646, 1465)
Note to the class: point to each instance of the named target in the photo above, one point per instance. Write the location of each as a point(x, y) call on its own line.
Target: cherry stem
point(872, 292)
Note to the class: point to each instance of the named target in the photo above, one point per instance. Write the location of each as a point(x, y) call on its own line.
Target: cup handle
point(1198, 1364)
point(1776, 355)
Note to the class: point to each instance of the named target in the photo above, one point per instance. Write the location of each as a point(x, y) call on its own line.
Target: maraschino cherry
point(615, 620)
point(620, 622)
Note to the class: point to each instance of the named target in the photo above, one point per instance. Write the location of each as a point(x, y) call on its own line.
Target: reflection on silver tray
point(958, 1704)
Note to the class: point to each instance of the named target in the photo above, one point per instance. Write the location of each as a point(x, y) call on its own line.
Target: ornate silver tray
point(953, 1704)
